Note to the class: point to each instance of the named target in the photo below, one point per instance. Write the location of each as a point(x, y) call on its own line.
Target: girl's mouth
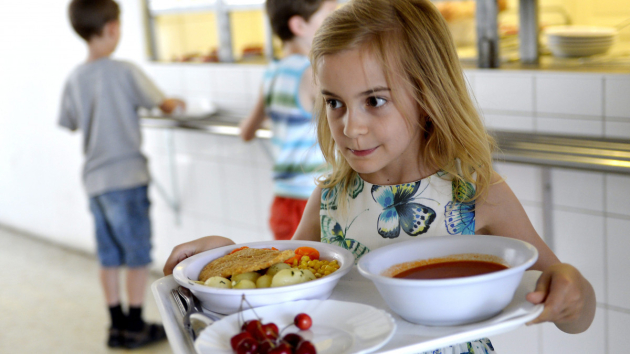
point(362, 152)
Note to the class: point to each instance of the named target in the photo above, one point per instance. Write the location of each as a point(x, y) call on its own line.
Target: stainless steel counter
point(583, 153)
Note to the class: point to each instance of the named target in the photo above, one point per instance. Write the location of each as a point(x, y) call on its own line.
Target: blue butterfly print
point(331, 232)
point(399, 212)
point(460, 217)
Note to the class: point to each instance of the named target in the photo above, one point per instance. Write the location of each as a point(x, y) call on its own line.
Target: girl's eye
point(376, 101)
point(333, 104)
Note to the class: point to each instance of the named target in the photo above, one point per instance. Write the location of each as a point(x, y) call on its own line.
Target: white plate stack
point(579, 41)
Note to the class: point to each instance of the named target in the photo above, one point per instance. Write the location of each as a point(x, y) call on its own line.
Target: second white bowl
point(448, 302)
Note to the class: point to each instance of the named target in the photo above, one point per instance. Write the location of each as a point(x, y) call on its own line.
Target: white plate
point(338, 327)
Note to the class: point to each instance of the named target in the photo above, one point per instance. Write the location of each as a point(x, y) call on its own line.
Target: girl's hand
point(568, 297)
point(185, 250)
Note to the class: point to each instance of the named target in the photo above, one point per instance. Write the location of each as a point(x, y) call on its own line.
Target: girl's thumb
point(542, 289)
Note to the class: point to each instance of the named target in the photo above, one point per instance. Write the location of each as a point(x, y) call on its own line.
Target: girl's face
point(366, 123)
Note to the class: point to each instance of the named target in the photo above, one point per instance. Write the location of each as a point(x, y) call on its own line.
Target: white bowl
point(228, 301)
point(581, 31)
point(448, 302)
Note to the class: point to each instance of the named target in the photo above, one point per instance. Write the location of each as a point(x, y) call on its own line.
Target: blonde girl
point(410, 154)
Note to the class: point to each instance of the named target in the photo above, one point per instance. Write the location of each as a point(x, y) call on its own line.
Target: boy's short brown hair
point(88, 17)
point(280, 11)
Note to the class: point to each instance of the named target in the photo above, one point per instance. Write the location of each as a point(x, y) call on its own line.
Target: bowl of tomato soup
point(449, 280)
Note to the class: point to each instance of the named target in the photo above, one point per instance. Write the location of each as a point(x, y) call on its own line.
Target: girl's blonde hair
point(412, 42)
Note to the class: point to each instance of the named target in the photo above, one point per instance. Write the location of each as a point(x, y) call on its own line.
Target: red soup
point(450, 269)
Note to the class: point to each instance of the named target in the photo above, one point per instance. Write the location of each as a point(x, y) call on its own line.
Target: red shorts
point(286, 214)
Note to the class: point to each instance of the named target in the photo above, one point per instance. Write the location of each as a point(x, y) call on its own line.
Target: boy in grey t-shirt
point(101, 98)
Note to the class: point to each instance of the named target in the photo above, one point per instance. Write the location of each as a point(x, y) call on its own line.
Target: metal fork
point(178, 302)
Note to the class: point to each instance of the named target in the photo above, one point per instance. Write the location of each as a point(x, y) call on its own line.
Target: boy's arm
point(254, 120)
point(67, 116)
point(169, 105)
point(191, 248)
point(309, 228)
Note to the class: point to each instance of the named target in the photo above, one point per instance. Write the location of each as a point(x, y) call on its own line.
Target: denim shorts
point(123, 228)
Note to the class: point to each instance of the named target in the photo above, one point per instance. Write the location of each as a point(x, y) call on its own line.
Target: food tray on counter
point(407, 337)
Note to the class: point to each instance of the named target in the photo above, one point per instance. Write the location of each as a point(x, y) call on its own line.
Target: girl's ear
point(296, 25)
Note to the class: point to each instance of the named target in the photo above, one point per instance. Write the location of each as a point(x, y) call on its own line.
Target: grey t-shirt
point(101, 99)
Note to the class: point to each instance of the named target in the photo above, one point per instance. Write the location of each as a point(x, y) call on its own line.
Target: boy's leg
point(110, 257)
point(132, 230)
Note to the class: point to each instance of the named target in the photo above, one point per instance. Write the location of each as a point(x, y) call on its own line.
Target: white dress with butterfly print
point(376, 216)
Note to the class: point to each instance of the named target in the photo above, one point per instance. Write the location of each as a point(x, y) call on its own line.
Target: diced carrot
point(307, 251)
point(238, 249)
point(290, 260)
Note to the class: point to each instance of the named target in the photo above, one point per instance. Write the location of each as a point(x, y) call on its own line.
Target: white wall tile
point(591, 341)
point(154, 142)
point(578, 189)
point(508, 122)
point(505, 92)
point(618, 330)
point(524, 340)
point(579, 241)
point(617, 192)
point(615, 129)
point(233, 149)
point(255, 79)
point(469, 76)
point(241, 202)
point(617, 92)
point(229, 79)
point(197, 143)
point(524, 180)
point(197, 80)
point(264, 185)
point(575, 95)
point(569, 126)
point(169, 78)
point(203, 192)
point(241, 234)
point(618, 246)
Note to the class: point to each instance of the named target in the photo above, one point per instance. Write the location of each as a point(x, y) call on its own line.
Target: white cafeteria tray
point(408, 337)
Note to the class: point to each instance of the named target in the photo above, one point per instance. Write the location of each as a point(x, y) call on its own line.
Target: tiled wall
point(225, 185)
point(591, 209)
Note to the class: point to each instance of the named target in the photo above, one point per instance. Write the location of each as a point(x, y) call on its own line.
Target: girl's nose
point(355, 124)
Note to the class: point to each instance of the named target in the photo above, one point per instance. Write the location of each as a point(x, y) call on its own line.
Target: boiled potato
point(264, 281)
point(288, 277)
point(245, 284)
point(276, 268)
point(309, 275)
point(249, 276)
point(218, 282)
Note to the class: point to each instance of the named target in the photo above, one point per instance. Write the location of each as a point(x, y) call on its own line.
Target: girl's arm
point(309, 227)
point(185, 250)
point(569, 298)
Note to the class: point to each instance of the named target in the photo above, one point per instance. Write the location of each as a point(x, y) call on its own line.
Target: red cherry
point(265, 347)
point(303, 321)
point(270, 330)
point(293, 339)
point(255, 328)
point(247, 346)
point(282, 348)
point(250, 325)
point(236, 340)
point(306, 347)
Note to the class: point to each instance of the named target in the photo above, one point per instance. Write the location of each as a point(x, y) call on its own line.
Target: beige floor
point(51, 300)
